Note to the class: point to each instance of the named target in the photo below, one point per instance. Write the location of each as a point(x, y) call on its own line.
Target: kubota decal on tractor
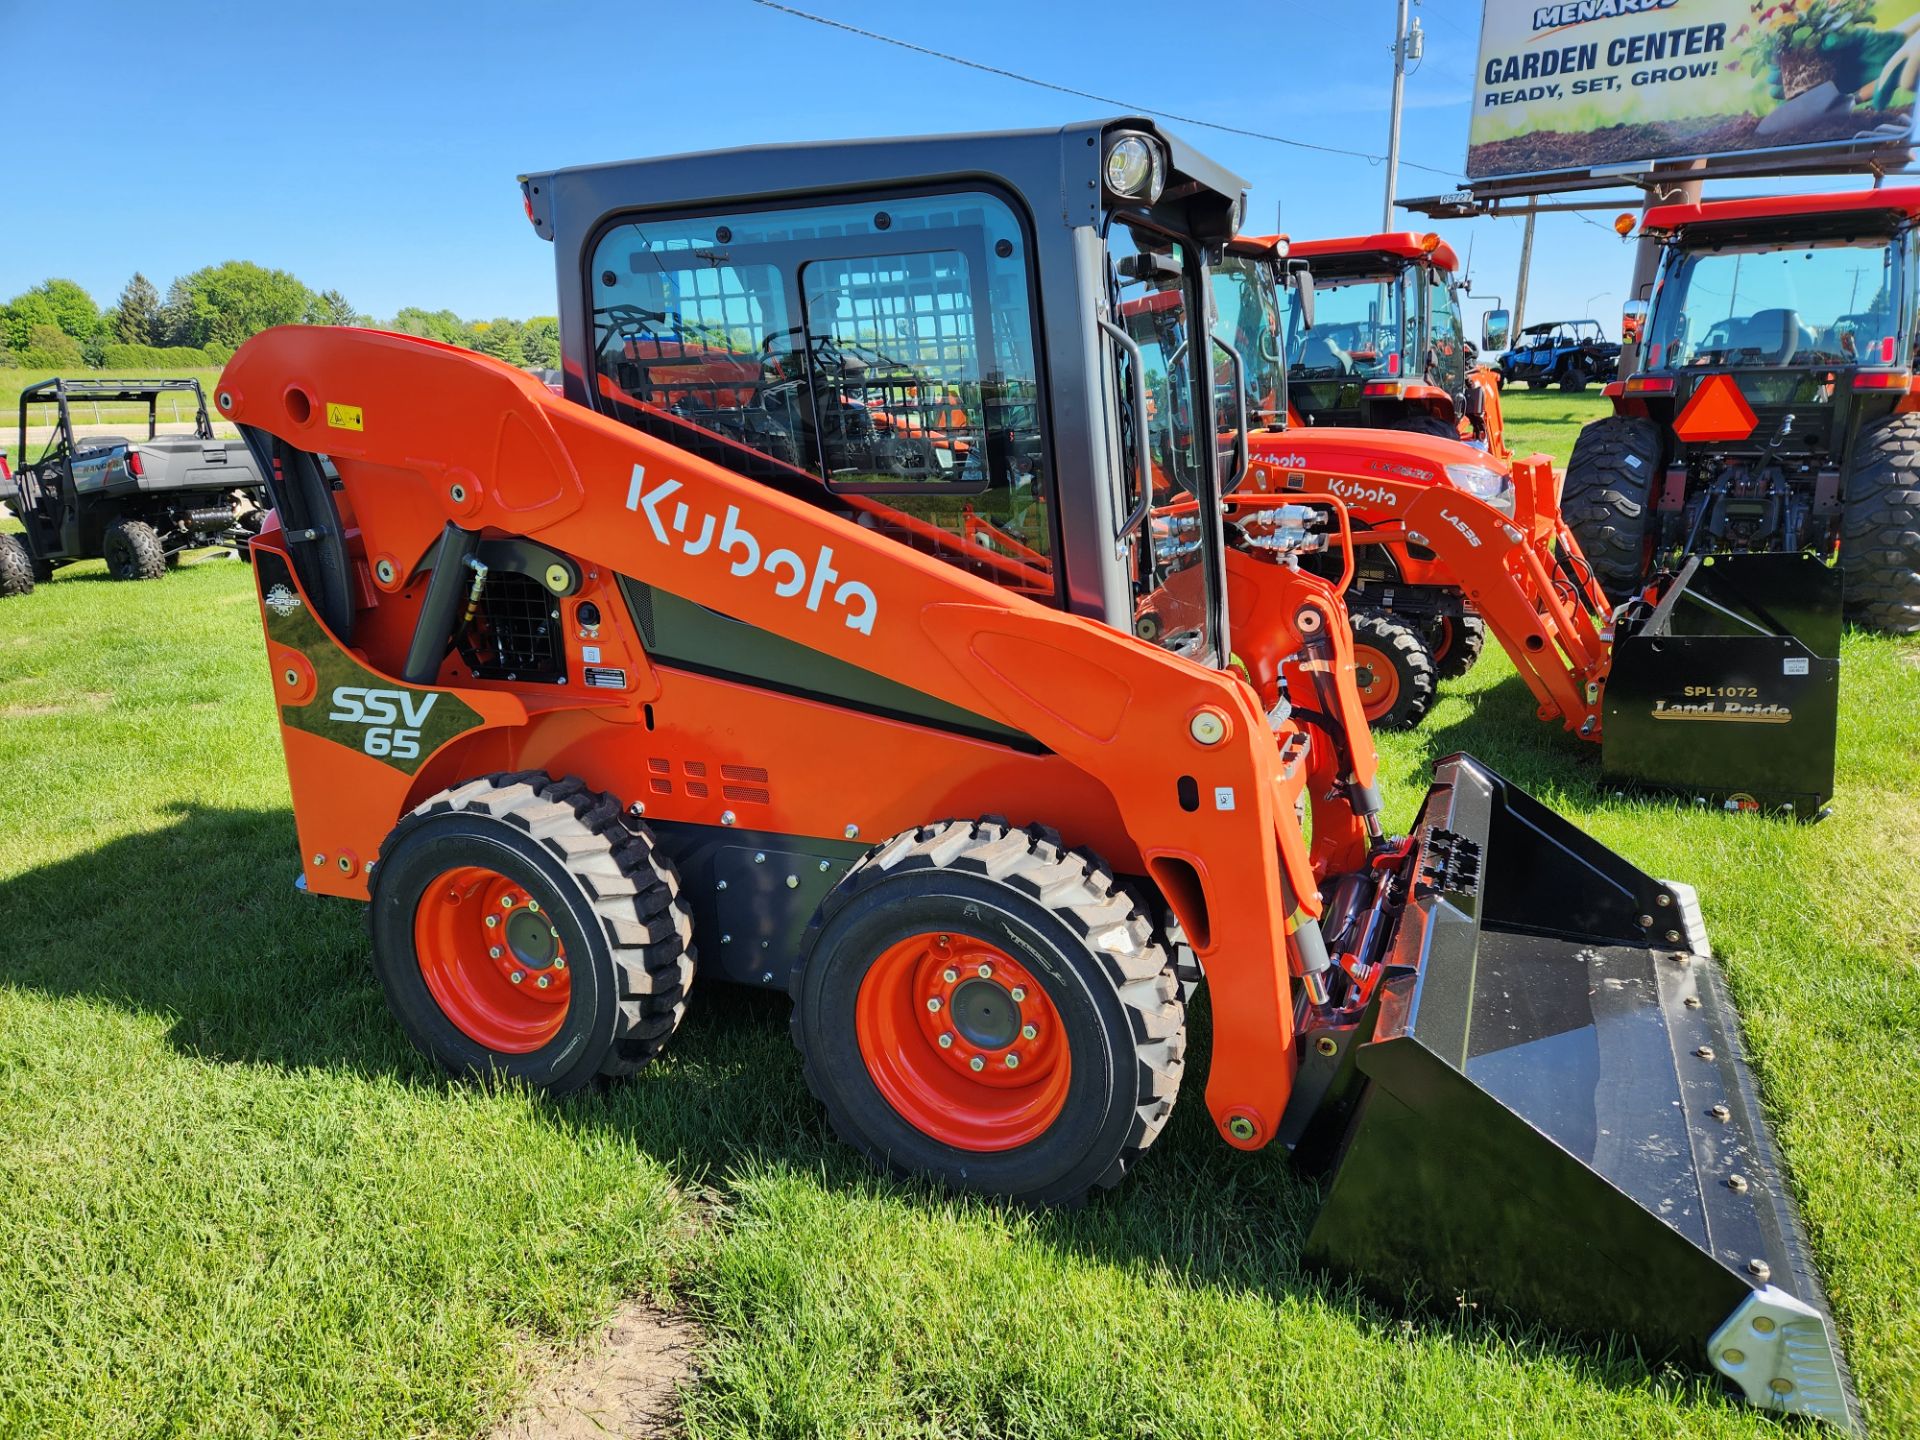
point(985, 832)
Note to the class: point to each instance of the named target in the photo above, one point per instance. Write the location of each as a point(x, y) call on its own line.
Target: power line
point(1371, 159)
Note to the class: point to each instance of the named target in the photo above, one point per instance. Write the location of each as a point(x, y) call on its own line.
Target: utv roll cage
point(62, 392)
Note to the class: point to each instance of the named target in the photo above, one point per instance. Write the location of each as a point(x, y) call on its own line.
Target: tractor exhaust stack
point(1555, 1098)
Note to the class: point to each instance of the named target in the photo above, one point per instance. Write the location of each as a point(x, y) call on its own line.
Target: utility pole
point(1407, 45)
point(1520, 286)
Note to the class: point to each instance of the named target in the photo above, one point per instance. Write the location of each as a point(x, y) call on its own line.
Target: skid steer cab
point(1383, 347)
point(827, 636)
point(1772, 411)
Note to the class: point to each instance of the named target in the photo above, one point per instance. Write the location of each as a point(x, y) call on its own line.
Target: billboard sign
point(1606, 83)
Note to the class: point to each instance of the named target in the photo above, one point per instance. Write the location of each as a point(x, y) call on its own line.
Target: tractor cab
point(918, 359)
point(1383, 347)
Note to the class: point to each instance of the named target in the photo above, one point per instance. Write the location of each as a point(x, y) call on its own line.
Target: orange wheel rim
point(962, 1042)
point(1445, 643)
point(492, 959)
point(1376, 679)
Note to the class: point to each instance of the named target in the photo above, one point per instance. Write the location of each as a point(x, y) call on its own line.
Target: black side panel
point(1730, 689)
point(686, 636)
point(302, 493)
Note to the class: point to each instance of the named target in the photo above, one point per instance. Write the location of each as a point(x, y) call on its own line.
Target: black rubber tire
point(16, 567)
point(1405, 649)
point(1425, 424)
point(133, 551)
point(1538, 384)
point(1081, 936)
point(1608, 498)
point(1574, 378)
point(1455, 644)
point(1880, 528)
point(614, 897)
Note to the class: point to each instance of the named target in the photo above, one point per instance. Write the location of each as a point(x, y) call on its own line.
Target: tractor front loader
point(683, 678)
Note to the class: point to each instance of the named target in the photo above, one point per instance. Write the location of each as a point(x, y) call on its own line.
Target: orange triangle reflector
point(1717, 411)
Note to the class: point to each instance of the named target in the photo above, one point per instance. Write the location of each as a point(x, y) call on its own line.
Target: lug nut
point(553, 932)
point(933, 1003)
point(506, 902)
point(543, 981)
point(946, 1042)
point(985, 972)
point(949, 975)
point(492, 920)
point(517, 976)
point(976, 1063)
point(494, 953)
point(1013, 1062)
point(1027, 1032)
point(559, 962)
point(1019, 993)
point(534, 906)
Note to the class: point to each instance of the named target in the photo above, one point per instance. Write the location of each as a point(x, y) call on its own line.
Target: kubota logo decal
point(1289, 462)
point(379, 710)
point(1457, 523)
point(1364, 494)
point(743, 552)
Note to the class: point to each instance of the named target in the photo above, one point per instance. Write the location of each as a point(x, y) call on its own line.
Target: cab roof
point(1895, 200)
point(1400, 244)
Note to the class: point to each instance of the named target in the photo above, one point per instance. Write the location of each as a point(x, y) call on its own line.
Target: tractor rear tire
point(462, 898)
point(16, 567)
point(1456, 642)
point(1608, 498)
point(1424, 424)
point(1053, 1055)
point(1394, 670)
point(1880, 528)
point(133, 551)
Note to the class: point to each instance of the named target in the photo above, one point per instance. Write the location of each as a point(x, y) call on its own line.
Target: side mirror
point(1303, 294)
point(1633, 320)
point(1494, 326)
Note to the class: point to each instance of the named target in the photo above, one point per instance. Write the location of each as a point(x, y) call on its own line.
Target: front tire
point(1607, 498)
point(133, 551)
point(1880, 528)
point(522, 926)
point(981, 1007)
point(1393, 670)
point(1456, 642)
point(16, 568)
point(1425, 424)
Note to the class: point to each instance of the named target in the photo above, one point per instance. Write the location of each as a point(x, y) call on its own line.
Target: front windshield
point(1757, 306)
point(1358, 328)
point(1247, 316)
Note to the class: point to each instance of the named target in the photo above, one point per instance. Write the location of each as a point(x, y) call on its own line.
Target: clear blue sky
point(373, 147)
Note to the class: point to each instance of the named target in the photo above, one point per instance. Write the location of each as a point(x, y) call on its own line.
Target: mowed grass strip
point(235, 1202)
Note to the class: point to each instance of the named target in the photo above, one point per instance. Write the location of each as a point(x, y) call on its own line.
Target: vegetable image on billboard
point(1589, 83)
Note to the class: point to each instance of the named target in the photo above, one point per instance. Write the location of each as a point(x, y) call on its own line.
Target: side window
point(884, 349)
point(1443, 337)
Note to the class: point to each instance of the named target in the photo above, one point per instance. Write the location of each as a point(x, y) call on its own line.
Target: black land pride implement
point(137, 504)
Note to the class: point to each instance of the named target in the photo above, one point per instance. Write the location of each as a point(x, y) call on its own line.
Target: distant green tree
point(50, 347)
point(540, 338)
point(237, 299)
point(442, 325)
point(500, 338)
point(137, 317)
point(59, 303)
point(184, 315)
point(330, 307)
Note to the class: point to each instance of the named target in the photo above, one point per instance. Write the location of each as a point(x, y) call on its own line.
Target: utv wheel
point(16, 567)
point(981, 1007)
point(1880, 528)
point(1426, 425)
point(1538, 384)
point(522, 926)
point(1393, 670)
point(133, 551)
point(1607, 498)
point(1574, 380)
point(1455, 641)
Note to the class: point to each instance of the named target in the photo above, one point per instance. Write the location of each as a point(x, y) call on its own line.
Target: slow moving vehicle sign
point(1598, 83)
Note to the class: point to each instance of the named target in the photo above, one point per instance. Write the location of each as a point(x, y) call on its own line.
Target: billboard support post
point(1520, 287)
point(1393, 122)
point(1667, 185)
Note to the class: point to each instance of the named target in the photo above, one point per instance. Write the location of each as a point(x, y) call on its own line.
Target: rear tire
point(1393, 669)
point(1538, 384)
point(984, 902)
point(1607, 499)
point(1456, 642)
point(1424, 424)
point(1574, 379)
point(16, 567)
point(133, 551)
point(1880, 528)
point(484, 850)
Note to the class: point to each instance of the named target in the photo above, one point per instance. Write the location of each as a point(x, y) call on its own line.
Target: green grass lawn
point(234, 1202)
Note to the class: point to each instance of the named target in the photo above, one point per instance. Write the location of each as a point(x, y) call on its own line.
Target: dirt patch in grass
point(82, 700)
point(626, 1386)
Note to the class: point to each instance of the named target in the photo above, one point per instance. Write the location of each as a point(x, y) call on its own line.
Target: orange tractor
point(597, 699)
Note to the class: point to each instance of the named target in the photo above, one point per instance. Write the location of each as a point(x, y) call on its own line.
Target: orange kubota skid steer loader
point(708, 659)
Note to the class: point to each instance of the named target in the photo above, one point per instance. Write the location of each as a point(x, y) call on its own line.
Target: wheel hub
point(492, 959)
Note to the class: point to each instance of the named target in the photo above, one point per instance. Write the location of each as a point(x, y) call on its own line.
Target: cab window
point(1446, 354)
point(880, 352)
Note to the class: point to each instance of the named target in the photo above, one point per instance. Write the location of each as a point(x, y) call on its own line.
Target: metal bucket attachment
point(1728, 688)
point(1557, 1117)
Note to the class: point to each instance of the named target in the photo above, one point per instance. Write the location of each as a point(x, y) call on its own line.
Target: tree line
point(206, 315)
